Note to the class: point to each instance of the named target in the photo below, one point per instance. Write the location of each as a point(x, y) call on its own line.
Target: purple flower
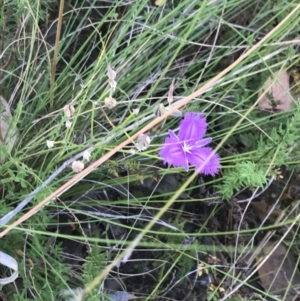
point(189, 146)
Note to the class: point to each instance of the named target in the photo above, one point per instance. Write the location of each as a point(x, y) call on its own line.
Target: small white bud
point(111, 73)
point(143, 142)
point(113, 84)
point(77, 166)
point(110, 102)
point(159, 110)
point(50, 144)
point(68, 124)
point(132, 151)
point(86, 155)
point(69, 110)
point(136, 111)
point(171, 90)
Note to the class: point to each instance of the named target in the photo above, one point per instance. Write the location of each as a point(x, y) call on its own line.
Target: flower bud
point(50, 144)
point(86, 155)
point(113, 84)
point(68, 124)
point(171, 91)
point(111, 74)
point(143, 142)
point(77, 166)
point(159, 110)
point(69, 110)
point(132, 151)
point(136, 111)
point(110, 102)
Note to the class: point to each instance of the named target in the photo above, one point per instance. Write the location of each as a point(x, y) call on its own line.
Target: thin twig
point(56, 47)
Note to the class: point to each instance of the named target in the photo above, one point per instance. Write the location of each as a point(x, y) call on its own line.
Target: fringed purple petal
point(199, 157)
point(189, 146)
point(172, 152)
point(203, 142)
point(192, 127)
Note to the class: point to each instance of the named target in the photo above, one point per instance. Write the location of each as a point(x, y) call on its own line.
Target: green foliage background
point(148, 47)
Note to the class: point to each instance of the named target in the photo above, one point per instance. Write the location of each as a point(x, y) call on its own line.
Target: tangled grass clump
point(89, 209)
